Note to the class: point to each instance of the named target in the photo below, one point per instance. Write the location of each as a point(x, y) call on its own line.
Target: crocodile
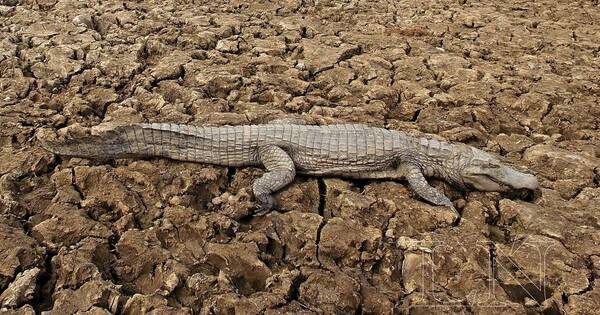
point(285, 149)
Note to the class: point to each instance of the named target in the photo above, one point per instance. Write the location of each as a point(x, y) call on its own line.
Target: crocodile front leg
point(419, 184)
point(280, 172)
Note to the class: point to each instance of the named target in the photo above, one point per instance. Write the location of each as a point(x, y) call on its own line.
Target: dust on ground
point(517, 78)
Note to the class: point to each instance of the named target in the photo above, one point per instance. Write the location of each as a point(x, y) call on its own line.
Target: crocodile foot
point(266, 204)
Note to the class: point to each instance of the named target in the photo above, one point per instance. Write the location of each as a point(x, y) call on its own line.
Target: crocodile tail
point(48, 140)
point(97, 143)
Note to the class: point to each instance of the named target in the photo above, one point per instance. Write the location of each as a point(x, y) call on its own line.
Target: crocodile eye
point(490, 165)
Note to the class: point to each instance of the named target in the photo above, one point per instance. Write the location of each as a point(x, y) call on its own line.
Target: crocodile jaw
point(486, 173)
point(502, 178)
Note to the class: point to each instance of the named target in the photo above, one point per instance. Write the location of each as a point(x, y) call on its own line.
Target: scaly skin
point(285, 149)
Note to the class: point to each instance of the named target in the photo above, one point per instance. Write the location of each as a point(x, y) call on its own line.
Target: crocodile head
point(486, 173)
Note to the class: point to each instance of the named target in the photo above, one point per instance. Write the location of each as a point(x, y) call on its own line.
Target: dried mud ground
point(520, 79)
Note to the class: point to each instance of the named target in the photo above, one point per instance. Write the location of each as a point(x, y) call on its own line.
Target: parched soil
point(517, 78)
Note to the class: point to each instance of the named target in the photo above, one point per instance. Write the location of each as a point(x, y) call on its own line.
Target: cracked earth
point(519, 79)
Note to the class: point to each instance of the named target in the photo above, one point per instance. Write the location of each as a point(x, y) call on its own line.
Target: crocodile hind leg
point(419, 184)
point(280, 172)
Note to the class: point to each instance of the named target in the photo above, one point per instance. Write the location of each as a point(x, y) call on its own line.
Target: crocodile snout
point(518, 180)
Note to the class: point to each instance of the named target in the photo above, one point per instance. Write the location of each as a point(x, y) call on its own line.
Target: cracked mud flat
point(134, 236)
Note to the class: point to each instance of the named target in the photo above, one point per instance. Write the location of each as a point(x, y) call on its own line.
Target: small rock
point(530, 302)
point(269, 47)
point(17, 252)
point(170, 283)
point(300, 65)
point(239, 261)
point(23, 310)
point(319, 57)
point(228, 46)
point(334, 293)
point(218, 84)
point(586, 303)
point(6, 10)
point(96, 311)
point(21, 290)
point(171, 66)
point(84, 20)
point(569, 171)
point(514, 142)
point(68, 227)
point(473, 21)
point(10, 3)
point(540, 138)
point(413, 268)
point(345, 242)
point(97, 294)
point(143, 304)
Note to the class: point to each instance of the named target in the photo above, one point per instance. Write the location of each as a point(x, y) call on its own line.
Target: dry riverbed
point(520, 79)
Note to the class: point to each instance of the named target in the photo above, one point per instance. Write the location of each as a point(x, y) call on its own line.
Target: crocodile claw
point(266, 201)
point(267, 204)
point(261, 211)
